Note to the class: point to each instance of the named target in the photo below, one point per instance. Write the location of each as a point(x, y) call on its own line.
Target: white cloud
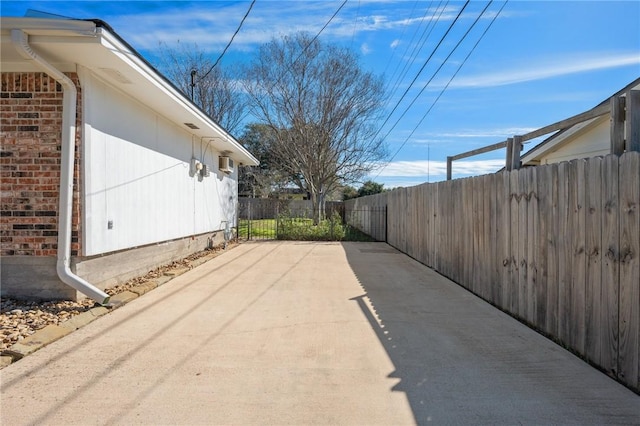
point(365, 49)
point(494, 135)
point(211, 24)
point(565, 66)
point(488, 133)
point(395, 43)
point(425, 168)
point(413, 173)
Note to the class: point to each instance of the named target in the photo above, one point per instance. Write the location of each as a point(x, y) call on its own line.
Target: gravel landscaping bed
point(20, 318)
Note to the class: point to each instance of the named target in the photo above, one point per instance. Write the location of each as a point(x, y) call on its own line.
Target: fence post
point(277, 217)
point(632, 121)
point(508, 163)
point(237, 220)
point(616, 121)
point(515, 152)
point(449, 167)
point(249, 222)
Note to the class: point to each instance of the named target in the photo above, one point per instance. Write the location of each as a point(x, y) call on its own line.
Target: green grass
point(300, 229)
point(305, 230)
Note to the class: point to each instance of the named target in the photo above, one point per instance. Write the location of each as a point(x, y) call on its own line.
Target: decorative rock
point(5, 361)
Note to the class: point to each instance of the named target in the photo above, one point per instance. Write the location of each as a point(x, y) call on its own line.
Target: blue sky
point(538, 63)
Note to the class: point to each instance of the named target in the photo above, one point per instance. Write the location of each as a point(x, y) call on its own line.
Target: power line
point(290, 69)
point(355, 24)
point(442, 64)
point(419, 44)
point(402, 36)
point(423, 67)
point(321, 30)
point(448, 83)
point(228, 44)
point(416, 50)
point(276, 81)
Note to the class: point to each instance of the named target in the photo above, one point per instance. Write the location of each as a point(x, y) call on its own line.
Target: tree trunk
point(316, 207)
point(321, 205)
point(318, 203)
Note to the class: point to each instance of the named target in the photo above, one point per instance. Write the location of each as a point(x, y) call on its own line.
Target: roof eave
point(154, 89)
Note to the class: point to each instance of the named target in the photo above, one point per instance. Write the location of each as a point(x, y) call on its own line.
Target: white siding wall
point(593, 141)
point(136, 174)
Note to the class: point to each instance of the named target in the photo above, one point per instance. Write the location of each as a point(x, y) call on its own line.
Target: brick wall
point(31, 121)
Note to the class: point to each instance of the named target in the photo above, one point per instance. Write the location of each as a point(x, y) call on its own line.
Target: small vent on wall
point(191, 126)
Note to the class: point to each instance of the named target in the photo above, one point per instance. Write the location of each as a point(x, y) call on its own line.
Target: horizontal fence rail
point(556, 246)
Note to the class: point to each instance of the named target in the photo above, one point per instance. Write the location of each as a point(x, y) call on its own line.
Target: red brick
point(30, 160)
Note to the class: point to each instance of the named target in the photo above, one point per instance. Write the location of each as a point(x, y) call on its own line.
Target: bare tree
point(215, 90)
point(322, 108)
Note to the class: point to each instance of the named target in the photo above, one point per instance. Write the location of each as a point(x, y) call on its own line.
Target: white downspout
point(65, 210)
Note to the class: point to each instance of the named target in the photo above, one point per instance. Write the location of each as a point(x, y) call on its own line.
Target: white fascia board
point(45, 26)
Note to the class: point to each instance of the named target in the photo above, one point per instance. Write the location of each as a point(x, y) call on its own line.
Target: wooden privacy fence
point(556, 246)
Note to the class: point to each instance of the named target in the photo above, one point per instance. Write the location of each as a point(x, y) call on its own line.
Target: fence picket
point(579, 256)
point(522, 239)
point(514, 269)
point(472, 197)
point(593, 250)
point(532, 242)
point(629, 359)
point(609, 259)
point(564, 249)
point(485, 250)
point(541, 246)
point(496, 241)
point(553, 253)
point(506, 240)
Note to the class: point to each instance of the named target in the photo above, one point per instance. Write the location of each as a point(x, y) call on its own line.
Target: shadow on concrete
point(461, 361)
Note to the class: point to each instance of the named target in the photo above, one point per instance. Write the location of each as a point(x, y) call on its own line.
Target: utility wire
point(289, 69)
point(355, 24)
point(230, 41)
point(417, 48)
point(320, 32)
point(422, 68)
point(446, 86)
point(404, 30)
point(433, 21)
point(442, 64)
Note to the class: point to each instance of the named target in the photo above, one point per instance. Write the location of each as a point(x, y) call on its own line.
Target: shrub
point(301, 229)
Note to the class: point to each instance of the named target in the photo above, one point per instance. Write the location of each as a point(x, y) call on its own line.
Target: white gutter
point(65, 210)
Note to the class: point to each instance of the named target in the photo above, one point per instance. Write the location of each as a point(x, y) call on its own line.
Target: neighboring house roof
point(565, 136)
point(66, 43)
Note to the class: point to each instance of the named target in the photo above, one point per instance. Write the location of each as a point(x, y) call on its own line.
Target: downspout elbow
point(69, 278)
point(20, 41)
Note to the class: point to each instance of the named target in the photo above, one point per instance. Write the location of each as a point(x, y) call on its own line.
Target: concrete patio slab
point(309, 333)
